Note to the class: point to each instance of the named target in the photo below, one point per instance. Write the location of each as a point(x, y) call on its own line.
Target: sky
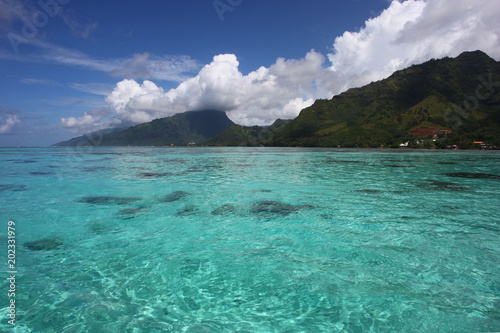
point(70, 67)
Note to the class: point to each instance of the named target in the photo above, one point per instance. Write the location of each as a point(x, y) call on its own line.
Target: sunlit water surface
point(252, 240)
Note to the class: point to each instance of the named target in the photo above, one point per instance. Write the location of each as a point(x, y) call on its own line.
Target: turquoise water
point(252, 240)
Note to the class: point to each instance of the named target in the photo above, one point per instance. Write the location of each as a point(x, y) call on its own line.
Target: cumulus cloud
point(372, 53)
point(412, 32)
point(447, 27)
point(259, 97)
point(406, 33)
point(89, 122)
point(8, 121)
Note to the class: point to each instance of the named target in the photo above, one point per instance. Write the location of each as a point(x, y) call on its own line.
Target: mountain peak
point(179, 129)
point(474, 56)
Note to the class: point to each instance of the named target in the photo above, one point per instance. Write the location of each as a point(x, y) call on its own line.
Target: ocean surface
point(251, 240)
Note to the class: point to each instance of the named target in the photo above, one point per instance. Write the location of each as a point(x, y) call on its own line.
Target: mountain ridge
point(386, 111)
point(179, 129)
point(448, 101)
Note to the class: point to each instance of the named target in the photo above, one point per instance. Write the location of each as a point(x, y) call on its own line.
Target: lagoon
point(138, 239)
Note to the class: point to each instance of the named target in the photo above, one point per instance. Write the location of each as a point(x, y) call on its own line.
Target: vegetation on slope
point(451, 101)
point(180, 129)
point(237, 135)
point(449, 98)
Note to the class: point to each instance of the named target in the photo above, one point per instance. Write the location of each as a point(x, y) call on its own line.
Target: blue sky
point(69, 67)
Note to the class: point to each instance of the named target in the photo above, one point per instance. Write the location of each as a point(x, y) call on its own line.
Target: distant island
point(445, 103)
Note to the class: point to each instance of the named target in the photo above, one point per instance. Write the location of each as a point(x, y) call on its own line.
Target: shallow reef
point(44, 244)
point(155, 174)
point(438, 185)
point(187, 210)
point(103, 227)
point(269, 208)
point(95, 168)
point(341, 161)
point(133, 211)
point(174, 196)
point(263, 191)
point(172, 160)
point(212, 167)
point(369, 191)
point(109, 200)
point(98, 227)
point(25, 161)
point(41, 173)
point(397, 161)
point(224, 209)
point(472, 175)
point(12, 187)
point(399, 166)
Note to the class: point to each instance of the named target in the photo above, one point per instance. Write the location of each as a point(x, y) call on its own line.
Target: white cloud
point(7, 125)
point(45, 82)
point(371, 53)
point(448, 27)
point(102, 89)
point(146, 66)
point(413, 32)
point(88, 122)
point(260, 97)
point(139, 66)
point(406, 33)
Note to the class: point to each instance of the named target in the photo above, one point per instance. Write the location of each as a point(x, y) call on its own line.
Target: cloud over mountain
point(413, 32)
point(406, 33)
point(281, 90)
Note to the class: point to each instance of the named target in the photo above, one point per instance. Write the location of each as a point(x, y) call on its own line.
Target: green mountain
point(180, 129)
point(444, 102)
point(237, 135)
point(457, 99)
